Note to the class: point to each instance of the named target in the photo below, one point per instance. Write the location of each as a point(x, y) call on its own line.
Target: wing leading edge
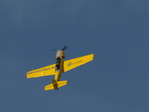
point(73, 63)
point(44, 71)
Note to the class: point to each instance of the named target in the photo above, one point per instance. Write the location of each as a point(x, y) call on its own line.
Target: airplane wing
point(73, 63)
point(44, 71)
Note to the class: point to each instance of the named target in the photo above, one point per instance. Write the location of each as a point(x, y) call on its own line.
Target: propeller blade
point(65, 47)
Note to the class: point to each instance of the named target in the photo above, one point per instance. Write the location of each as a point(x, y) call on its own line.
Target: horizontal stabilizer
point(57, 85)
point(49, 87)
point(62, 83)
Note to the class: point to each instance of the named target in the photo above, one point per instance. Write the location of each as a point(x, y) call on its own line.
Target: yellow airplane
point(58, 68)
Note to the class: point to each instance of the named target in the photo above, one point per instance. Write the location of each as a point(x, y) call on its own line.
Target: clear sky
point(116, 31)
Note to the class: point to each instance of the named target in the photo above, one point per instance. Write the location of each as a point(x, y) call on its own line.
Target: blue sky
point(115, 31)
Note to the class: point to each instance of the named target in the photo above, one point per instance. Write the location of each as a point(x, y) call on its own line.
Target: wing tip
point(93, 56)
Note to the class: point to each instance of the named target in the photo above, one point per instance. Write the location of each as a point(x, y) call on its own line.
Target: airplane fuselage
point(60, 55)
point(59, 70)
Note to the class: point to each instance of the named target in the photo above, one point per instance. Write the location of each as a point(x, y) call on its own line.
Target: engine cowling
point(60, 54)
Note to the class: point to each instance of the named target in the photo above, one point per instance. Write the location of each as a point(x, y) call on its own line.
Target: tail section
point(49, 87)
point(55, 85)
point(62, 83)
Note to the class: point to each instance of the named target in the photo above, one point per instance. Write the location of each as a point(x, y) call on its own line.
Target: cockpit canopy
point(58, 63)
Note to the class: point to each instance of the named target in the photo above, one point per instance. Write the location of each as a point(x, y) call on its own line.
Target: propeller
point(65, 47)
